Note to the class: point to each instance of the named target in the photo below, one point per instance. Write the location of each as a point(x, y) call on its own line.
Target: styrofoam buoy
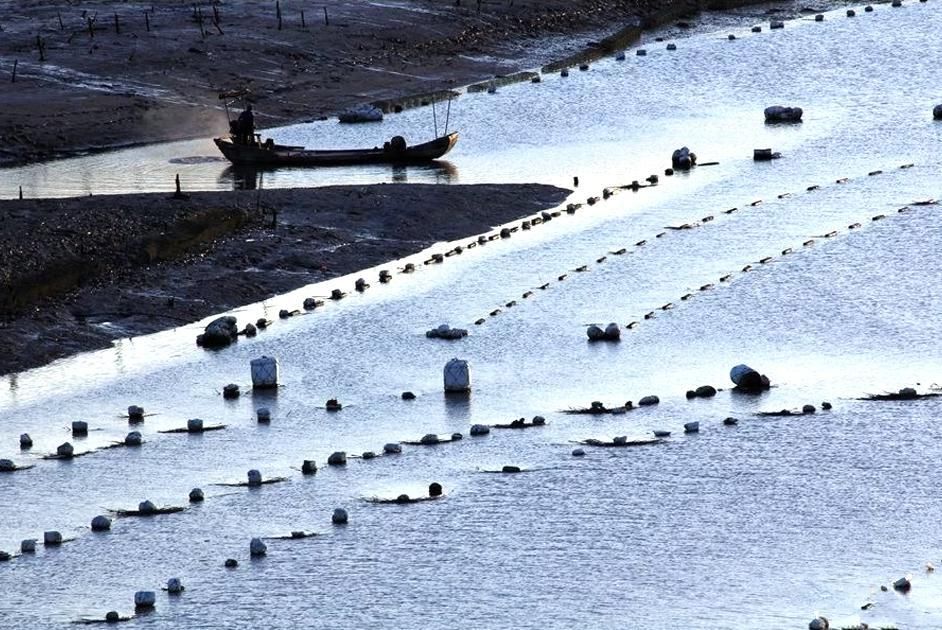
point(79, 428)
point(339, 517)
point(196, 495)
point(7, 465)
point(231, 563)
point(263, 415)
point(774, 24)
point(112, 616)
point(135, 413)
point(808, 409)
point(337, 458)
point(264, 372)
point(392, 448)
point(457, 376)
point(641, 52)
point(65, 450)
point(578, 452)
point(430, 438)
point(309, 467)
point(257, 548)
point(368, 455)
point(28, 545)
point(672, 47)
point(692, 427)
point(479, 429)
point(146, 507)
point(819, 17)
point(133, 439)
point(174, 586)
point(230, 391)
point(145, 599)
point(661, 434)
point(194, 425)
point(647, 401)
point(818, 623)
point(408, 396)
point(26, 441)
point(255, 478)
point(595, 333)
point(52, 538)
point(101, 523)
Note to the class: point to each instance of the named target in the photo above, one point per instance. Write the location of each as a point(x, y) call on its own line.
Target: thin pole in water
point(434, 117)
point(447, 115)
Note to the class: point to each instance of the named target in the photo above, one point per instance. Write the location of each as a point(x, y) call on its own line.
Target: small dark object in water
point(435, 489)
point(730, 422)
point(480, 321)
point(511, 469)
point(309, 467)
point(812, 187)
point(408, 396)
point(333, 405)
point(683, 159)
point(641, 243)
point(231, 563)
point(826, 406)
point(748, 380)
point(808, 409)
point(668, 171)
point(906, 393)
point(764, 155)
point(230, 391)
point(262, 323)
point(337, 294)
point(756, 29)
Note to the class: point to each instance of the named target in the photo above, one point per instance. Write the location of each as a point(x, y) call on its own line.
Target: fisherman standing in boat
point(247, 126)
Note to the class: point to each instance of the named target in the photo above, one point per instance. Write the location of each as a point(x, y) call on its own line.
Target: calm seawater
point(765, 524)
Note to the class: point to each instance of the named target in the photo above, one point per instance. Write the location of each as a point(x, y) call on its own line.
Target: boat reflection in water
point(253, 177)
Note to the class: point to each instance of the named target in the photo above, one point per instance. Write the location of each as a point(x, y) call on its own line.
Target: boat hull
point(279, 155)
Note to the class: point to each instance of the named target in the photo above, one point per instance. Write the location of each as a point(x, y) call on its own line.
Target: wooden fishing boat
point(395, 151)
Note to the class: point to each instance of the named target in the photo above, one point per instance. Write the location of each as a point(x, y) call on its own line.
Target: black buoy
point(435, 489)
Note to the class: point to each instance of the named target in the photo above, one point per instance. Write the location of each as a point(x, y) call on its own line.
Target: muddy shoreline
point(109, 77)
point(126, 265)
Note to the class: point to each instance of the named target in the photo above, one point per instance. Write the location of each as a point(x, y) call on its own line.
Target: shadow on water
point(253, 177)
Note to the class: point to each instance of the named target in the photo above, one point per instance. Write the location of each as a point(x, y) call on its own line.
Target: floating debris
point(7, 466)
point(147, 508)
point(195, 426)
point(621, 441)
point(521, 423)
point(730, 422)
point(906, 393)
point(784, 413)
point(597, 408)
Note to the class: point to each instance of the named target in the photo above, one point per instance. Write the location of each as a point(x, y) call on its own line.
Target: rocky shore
point(77, 273)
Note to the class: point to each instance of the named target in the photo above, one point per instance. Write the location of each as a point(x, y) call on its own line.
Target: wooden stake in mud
point(303, 25)
point(178, 193)
point(91, 27)
point(278, 12)
point(42, 48)
point(16, 62)
point(216, 16)
point(147, 21)
point(61, 26)
point(326, 19)
point(21, 192)
point(117, 25)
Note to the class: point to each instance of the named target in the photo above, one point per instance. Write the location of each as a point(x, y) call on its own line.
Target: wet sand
point(119, 74)
point(78, 273)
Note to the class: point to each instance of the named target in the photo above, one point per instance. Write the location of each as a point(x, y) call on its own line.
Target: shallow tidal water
point(765, 524)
